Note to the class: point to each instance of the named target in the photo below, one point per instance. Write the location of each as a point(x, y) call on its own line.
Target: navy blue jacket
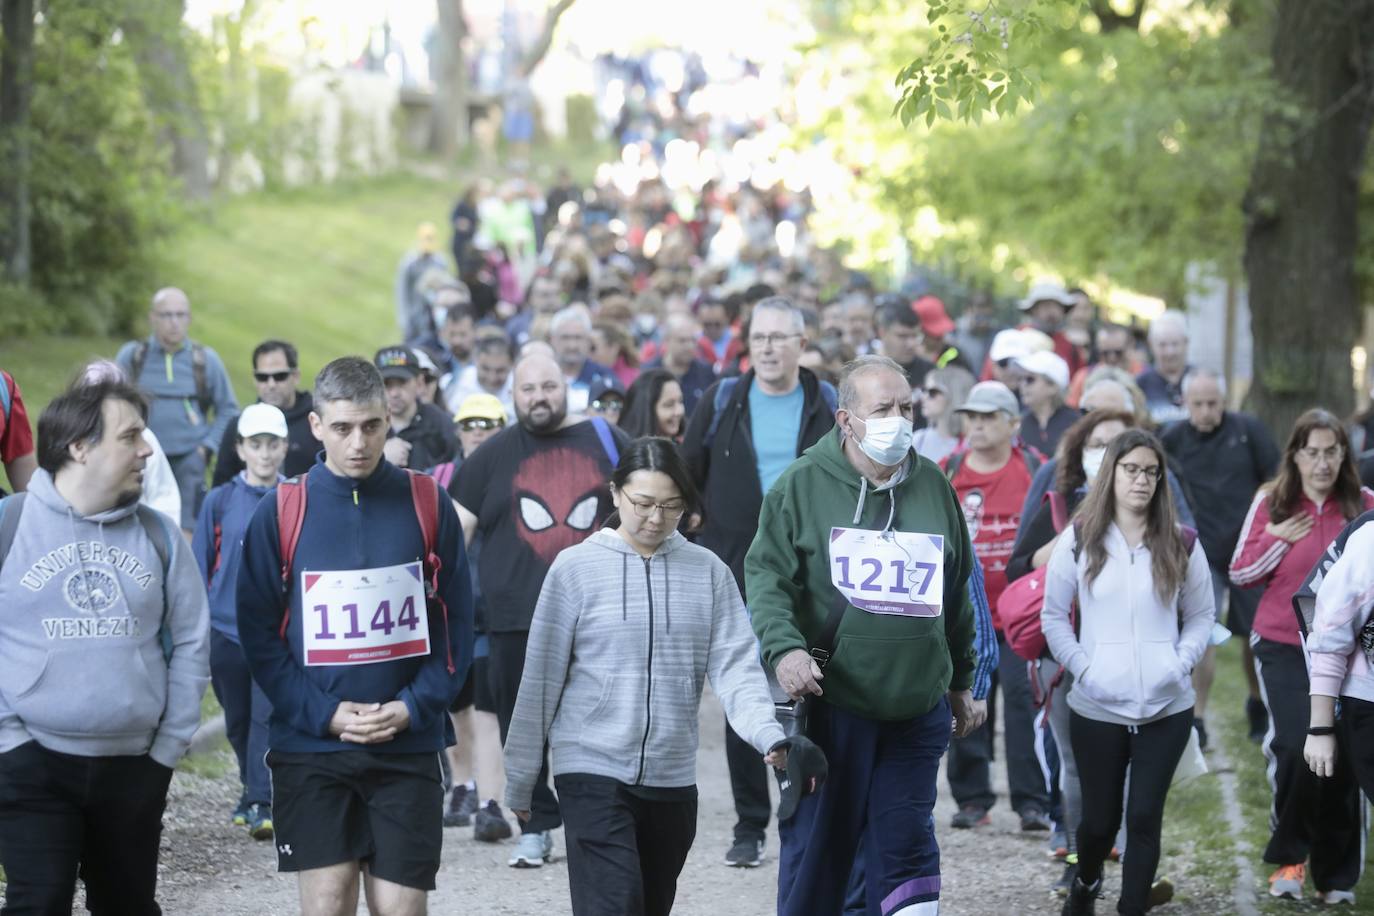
point(229, 507)
point(352, 524)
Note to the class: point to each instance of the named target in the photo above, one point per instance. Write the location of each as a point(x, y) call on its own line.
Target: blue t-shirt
point(775, 424)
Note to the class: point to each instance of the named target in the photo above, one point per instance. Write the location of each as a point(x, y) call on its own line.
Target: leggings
point(1151, 751)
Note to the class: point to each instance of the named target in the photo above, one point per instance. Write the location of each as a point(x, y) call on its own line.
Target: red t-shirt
point(992, 508)
point(16, 437)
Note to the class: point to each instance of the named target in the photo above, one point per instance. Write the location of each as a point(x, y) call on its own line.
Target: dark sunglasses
point(473, 423)
point(272, 376)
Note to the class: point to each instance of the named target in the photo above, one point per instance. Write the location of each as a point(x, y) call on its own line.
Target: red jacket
point(1262, 559)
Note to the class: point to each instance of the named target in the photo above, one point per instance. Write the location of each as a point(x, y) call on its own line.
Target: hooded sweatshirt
point(619, 649)
point(82, 665)
point(1338, 645)
point(218, 546)
point(882, 666)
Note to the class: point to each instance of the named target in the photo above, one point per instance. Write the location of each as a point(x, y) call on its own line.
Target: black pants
point(969, 768)
point(1104, 751)
point(505, 665)
point(99, 817)
point(625, 851)
point(1311, 818)
point(749, 785)
point(246, 714)
point(1355, 730)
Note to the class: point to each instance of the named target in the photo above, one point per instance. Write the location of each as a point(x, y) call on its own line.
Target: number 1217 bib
point(363, 616)
point(889, 572)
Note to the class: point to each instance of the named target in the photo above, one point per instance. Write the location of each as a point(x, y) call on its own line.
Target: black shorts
point(346, 806)
point(1240, 615)
point(476, 690)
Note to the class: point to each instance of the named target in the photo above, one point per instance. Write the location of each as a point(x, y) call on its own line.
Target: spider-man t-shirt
point(533, 496)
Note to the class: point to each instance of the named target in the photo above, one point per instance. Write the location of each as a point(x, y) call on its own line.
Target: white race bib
point(361, 616)
point(889, 572)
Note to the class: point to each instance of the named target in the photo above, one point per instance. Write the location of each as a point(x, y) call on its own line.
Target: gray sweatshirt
point(169, 381)
point(82, 667)
point(619, 649)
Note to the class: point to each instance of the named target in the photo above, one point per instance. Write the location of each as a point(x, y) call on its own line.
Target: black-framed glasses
point(671, 510)
point(1152, 472)
point(484, 423)
point(759, 341)
point(277, 377)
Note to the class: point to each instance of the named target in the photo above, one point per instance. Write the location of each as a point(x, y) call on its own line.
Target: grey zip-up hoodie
point(82, 669)
point(619, 649)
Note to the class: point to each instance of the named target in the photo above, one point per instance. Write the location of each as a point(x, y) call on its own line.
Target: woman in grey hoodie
point(628, 626)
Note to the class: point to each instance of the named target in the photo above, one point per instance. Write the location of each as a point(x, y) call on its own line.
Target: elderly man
point(188, 386)
point(1163, 383)
point(857, 593)
point(570, 333)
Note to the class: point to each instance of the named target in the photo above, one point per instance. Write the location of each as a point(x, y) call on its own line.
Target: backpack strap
point(724, 389)
point(443, 474)
point(603, 432)
point(424, 493)
point(829, 396)
point(10, 509)
point(290, 518)
point(1059, 509)
point(156, 529)
point(198, 374)
point(6, 396)
point(952, 465)
point(136, 361)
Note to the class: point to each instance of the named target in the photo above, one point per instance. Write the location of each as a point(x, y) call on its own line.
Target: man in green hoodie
point(857, 581)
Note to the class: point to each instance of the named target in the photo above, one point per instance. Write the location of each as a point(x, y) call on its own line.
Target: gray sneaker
point(533, 850)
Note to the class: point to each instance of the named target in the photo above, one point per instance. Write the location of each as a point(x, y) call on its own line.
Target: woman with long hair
point(629, 625)
point(1144, 598)
point(1291, 521)
point(654, 406)
point(942, 391)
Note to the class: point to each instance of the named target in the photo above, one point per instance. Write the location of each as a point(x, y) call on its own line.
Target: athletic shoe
point(1061, 887)
point(1336, 898)
point(533, 850)
point(1287, 881)
point(240, 816)
point(1201, 733)
point(1082, 899)
point(260, 822)
point(1259, 719)
point(970, 816)
point(746, 853)
point(1033, 819)
point(1059, 845)
point(462, 805)
point(1161, 892)
point(489, 825)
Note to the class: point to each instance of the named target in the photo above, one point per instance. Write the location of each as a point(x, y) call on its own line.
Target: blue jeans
point(881, 793)
point(246, 711)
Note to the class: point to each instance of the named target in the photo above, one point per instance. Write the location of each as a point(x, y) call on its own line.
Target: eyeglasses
point(1333, 454)
point(760, 341)
point(646, 510)
point(172, 316)
point(1153, 472)
point(608, 404)
point(475, 423)
point(278, 377)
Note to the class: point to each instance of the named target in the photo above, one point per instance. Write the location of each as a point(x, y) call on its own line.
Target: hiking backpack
point(203, 396)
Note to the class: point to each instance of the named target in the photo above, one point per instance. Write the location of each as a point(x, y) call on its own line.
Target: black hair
point(493, 340)
point(77, 415)
point(758, 292)
point(653, 453)
point(639, 417)
point(276, 346)
point(896, 313)
point(458, 311)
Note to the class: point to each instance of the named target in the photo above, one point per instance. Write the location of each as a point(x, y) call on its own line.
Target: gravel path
point(212, 869)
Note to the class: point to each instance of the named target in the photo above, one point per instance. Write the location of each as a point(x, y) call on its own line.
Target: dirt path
point(212, 869)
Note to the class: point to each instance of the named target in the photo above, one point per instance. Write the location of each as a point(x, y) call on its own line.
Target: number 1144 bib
point(889, 572)
point(363, 616)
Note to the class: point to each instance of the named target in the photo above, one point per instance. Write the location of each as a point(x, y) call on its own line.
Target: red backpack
point(1019, 605)
point(424, 492)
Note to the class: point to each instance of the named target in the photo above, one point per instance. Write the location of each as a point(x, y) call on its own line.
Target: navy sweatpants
point(246, 711)
point(881, 790)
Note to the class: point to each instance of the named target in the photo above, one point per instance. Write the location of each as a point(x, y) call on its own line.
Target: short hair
point(758, 293)
point(864, 365)
point(1110, 328)
point(1198, 374)
point(77, 415)
point(276, 346)
point(458, 311)
point(901, 314)
point(349, 378)
point(1169, 321)
point(784, 306)
point(575, 312)
point(493, 340)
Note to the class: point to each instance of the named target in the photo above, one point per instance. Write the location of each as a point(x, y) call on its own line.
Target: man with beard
point(532, 490)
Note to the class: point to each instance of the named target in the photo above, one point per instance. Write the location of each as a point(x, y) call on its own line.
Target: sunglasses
point(474, 423)
point(278, 377)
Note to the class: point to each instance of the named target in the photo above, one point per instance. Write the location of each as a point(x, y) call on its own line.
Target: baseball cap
point(605, 386)
point(990, 397)
point(426, 363)
point(1047, 292)
point(1008, 344)
point(805, 762)
point(397, 362)
point(480, 407)
point(935, 320)
point(1050, 365)
point(262, 420)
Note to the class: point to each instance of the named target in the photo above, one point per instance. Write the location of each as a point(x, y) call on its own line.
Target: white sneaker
point(533, 850)
point(1336, 898)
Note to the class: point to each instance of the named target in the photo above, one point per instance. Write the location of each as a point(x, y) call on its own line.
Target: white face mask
point(1092, 461)
point(886, 439)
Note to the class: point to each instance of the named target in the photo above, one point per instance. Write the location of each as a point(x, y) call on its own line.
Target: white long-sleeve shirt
point(1339, 666)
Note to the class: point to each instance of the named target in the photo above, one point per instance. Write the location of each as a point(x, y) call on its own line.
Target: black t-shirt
point(533, 497)
point(431, 437)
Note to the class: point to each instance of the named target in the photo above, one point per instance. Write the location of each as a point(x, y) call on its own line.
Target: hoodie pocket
point(1161, 670)
point(92, 692)
point(673, 718)
point(1111, 674)
point(616, 723)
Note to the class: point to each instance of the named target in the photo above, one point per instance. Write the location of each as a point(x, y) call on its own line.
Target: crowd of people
point(625, 443)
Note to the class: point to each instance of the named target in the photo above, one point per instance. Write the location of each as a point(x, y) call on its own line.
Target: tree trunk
point(545, 40)
point(448, 125)
point(16, 97)
point(153, 30)
point(1301, 210)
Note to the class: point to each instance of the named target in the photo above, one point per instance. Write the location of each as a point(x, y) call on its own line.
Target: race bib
point(889, 572)
point(357, 617)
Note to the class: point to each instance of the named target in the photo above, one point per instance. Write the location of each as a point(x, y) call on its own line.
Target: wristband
point(1321, 730)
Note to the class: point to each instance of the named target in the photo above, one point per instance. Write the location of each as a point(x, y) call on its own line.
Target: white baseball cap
point(1008, 344)
point(1050, 365)
point(262, 420)
point(1048, 292)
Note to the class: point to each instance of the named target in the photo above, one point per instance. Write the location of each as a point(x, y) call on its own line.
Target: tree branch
point(545, 40)
point(1112, 20)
